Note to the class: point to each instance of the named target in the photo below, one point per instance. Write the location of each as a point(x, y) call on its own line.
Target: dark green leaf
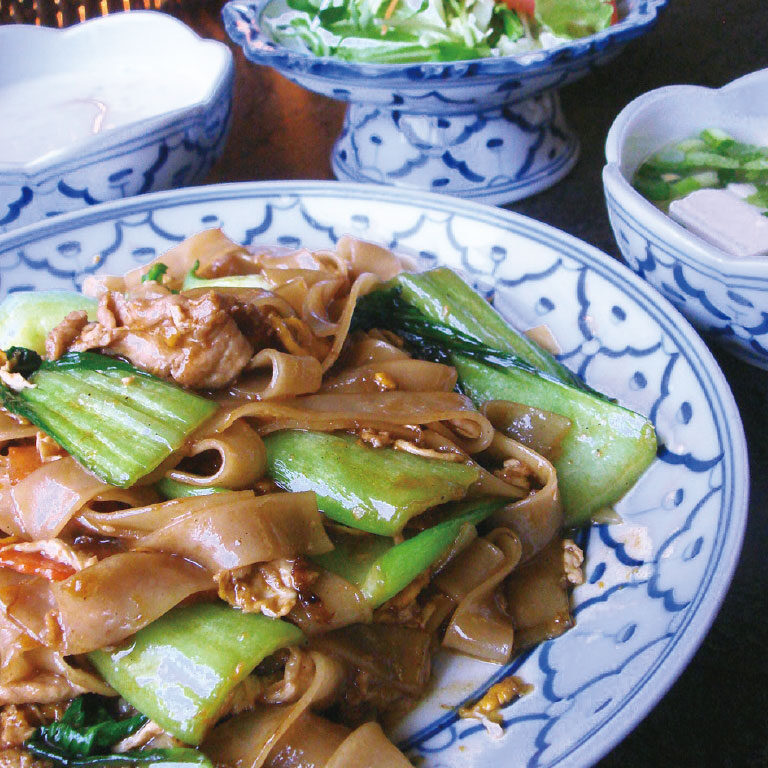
point(23, 361)
point(85, 728)
point(176, 756)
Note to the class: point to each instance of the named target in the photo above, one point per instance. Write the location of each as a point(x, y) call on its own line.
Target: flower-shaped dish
point(488, 129)
point(171, 143)
point(725, 297)
point(653, 583)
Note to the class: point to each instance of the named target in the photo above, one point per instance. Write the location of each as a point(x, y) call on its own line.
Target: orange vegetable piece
point(35, 564)
point(22, 461)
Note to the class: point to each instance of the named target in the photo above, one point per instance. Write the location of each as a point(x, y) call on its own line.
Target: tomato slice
point(524, 7)
point(615, 17)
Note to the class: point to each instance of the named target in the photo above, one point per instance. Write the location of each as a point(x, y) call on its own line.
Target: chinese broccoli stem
point(180, 669)
point(119, 422)
point(607, 448)
point(173, 489)
point(373, 489)
point(27, 317)
point(381, 568)
point(191, 281)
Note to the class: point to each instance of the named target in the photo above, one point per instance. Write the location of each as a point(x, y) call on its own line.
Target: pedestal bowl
point(489, 129)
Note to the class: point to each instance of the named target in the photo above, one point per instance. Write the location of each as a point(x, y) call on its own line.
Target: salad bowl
point(724, 296)
point(489, 129)
point(654, 579)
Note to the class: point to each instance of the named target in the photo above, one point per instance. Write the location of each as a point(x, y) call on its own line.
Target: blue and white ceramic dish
point(167, 148)
point(488, 129)
point(725, 297)
point(654, 582)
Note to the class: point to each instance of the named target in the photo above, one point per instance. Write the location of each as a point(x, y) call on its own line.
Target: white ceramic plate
point(653, 582)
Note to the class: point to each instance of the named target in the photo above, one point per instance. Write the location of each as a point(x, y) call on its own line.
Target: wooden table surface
point(717, 712)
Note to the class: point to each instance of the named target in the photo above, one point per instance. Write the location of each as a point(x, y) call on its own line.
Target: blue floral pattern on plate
point(488, 129)
point(653, 582)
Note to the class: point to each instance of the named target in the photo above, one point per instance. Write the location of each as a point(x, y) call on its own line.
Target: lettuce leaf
point(574, 18)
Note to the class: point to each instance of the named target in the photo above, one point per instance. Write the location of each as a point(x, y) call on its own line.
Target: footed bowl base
point(495, 155)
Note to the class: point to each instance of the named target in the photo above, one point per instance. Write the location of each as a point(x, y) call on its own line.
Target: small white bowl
point(130, 103)
point(723, 296)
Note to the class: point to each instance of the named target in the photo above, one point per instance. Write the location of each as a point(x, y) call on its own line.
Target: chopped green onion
point(155, 273)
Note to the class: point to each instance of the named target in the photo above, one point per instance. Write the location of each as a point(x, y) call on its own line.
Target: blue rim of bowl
point(122, 138)
point(242, 15)
point(733, 512)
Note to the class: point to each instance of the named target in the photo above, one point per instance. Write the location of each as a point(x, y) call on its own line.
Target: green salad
point(401, 31)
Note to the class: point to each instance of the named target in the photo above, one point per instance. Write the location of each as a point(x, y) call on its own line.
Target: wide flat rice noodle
point(538, 517)
point(537, 598)
point(469, 569)
point(404, 374)
point(397, 656)
point(45, 677)
point(363, 256)
point(542, 431)
point(338, 604)
point(364, 284)
point(230, 534)
point(330, 412)
point(46, 499)
point(478, 627)
point(282, 375)
point(370, 348)
point(248, 739)
point(242, 457)
point(368, 747)
point(12, 429)
point(205, 247)
point(104, 603)
point(310, 743)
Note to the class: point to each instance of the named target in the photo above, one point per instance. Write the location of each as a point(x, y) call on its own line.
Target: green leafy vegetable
point(431, 30)
point(27, 317)
point(175, 757)
point(574, 18)
point(116, 420)
point(86, 727)
point(86, 733)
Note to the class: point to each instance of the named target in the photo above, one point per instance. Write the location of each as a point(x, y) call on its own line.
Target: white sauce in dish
point(41, 117)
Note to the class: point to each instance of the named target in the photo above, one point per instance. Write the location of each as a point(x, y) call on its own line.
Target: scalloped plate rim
point(602, 738)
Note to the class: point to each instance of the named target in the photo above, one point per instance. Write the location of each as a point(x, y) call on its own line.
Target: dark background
point(717, 712)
